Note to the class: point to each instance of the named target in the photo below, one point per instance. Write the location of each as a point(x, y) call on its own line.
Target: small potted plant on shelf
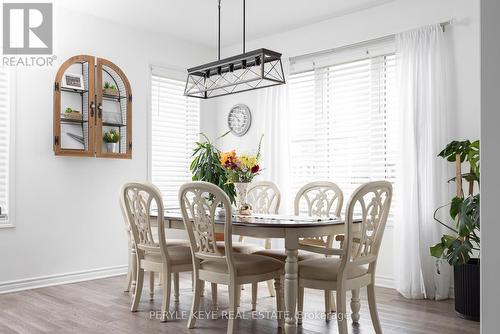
point(110, 89)
point(461, 247)
point(111, 138)
point(70, 113)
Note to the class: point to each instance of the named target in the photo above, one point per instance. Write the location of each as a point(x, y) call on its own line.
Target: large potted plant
point(461, 247)
point(206, 166)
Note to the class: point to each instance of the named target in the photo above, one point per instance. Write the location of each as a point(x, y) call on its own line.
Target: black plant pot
point(467, 290)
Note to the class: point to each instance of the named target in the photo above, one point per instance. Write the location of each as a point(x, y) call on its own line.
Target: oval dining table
point(289, 228)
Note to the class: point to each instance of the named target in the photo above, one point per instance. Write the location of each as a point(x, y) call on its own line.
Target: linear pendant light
point(247, 71)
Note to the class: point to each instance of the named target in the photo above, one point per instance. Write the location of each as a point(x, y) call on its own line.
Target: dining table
point(289, 228)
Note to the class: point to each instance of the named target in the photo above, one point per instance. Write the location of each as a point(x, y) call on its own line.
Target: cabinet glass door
point(74, 107)
point(114, 104)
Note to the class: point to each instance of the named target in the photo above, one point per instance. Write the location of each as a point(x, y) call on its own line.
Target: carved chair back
point(199, 202)
point(369, 203)
point(264, 196)
point(137, 200)
point(320, 199)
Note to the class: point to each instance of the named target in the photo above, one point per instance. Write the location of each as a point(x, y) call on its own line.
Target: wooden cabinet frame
point(93, 119)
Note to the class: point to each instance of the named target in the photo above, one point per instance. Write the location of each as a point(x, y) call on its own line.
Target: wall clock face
point(239, 119)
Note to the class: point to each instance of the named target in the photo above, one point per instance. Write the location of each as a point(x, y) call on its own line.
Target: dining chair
point(167, 259)
point(265, 198)
point(315, 199)
point(221, 265)
point(353, 266)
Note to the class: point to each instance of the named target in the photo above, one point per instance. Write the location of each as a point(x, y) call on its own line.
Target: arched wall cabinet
point(92, 97)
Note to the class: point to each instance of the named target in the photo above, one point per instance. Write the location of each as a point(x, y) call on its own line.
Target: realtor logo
point(27, 28)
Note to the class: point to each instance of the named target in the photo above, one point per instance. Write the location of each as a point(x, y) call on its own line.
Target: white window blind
point(175, 127)
point(344, 123)
point(4, 143)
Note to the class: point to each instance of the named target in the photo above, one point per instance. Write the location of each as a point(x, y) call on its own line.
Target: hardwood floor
point(100, 306)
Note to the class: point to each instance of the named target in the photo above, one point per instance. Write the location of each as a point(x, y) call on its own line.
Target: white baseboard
point(385, 282)
point(87, 275)
point(78, 276)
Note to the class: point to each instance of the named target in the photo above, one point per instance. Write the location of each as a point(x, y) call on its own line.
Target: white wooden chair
point(354, 265)
point(315, 199)
point(154, 256)
point(221, 265)
point(265, 198)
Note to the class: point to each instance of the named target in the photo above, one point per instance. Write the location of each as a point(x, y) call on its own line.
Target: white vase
point(241, 189)
point(112, 147)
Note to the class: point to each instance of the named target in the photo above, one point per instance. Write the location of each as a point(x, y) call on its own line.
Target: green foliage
point(108, 85)
point(465, 213)
point(68, 111)
point(111, 136)
point(206, 166)
point(468, 151)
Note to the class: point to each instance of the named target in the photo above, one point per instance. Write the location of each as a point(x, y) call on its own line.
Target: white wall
point(68, 217)
point(490, 182)
point(393, 17)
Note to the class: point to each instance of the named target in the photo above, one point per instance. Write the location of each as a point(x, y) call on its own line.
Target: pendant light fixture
point(248, 71)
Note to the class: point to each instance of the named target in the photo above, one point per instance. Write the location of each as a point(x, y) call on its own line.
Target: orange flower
point(226, 157)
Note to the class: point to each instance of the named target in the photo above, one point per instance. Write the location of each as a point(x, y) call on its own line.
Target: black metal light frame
point(248, 71)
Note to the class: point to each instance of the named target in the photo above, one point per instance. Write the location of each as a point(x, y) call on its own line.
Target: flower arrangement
point(241, 168)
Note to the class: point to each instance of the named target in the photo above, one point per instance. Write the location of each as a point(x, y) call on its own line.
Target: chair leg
point(134, 269)
point(270, 283)
point(176, 287)
point(138, 289)
point(341, 311)
point(270, 287)
point(215, 304)
point(373, 308)
point(300, 305)
point(355, 306)
point(165, 304)
point(202, 289)
point(333, 305)
point(234, 291)
point(328, 305)
point(254, 296)
point(151, 285)
point(196, 301)
point(280, 298)
point(238, 296)
point(131, 260)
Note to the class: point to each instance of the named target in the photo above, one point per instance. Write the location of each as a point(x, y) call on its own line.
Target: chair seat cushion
point(243, 248)
point(280, 254)
point(246, 264)
point(326, 269)
point(177, 242)
point(178, 255)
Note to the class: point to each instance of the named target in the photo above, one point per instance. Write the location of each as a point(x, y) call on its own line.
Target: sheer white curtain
point(421, 61)
point(272, 104)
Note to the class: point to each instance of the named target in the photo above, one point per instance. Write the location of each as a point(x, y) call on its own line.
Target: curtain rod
point(359, 44)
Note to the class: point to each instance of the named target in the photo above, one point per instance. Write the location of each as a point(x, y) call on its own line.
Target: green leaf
point(437, 250)
point(455, 207)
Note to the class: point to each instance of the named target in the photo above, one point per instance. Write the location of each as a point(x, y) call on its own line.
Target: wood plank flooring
point(100, 306)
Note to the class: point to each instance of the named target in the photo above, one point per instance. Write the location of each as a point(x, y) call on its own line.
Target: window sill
point(6, 226)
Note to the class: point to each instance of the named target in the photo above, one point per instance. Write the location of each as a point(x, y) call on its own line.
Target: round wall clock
point(239, 119)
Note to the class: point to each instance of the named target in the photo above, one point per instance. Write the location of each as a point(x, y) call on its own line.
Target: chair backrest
point(137, 199)
point(369, 203)
point(264, 196)
point(199, 201)
point(319, 199)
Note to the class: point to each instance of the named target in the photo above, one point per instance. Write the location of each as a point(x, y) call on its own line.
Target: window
point(175, 127)
point(5, 124)
point(343, 122)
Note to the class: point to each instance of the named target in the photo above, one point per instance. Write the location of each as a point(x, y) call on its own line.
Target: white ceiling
point(196, 20)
